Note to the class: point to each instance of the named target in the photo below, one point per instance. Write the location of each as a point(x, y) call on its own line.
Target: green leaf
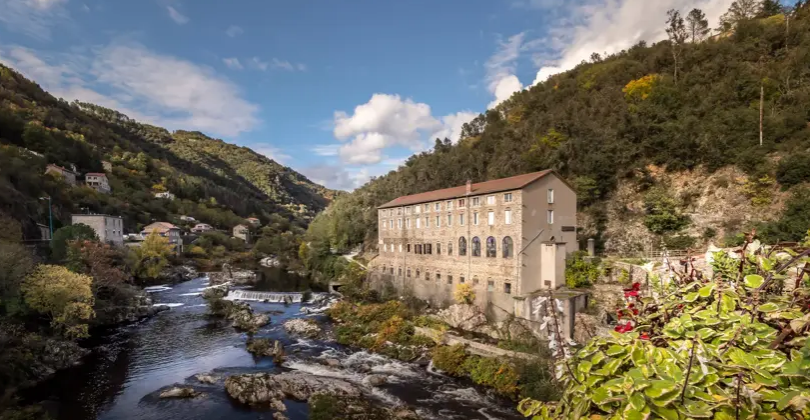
point(615, 350)
point(660, 387)
point(666, 413)
point(706, 314)
point(597, 358)
point(706, 290)
point(697, 409)
point(768, 307)
point(783, 403)
point(706, 333)
point(750, 339)
point(637, 401)
point(727, 303)
point(584, 366)
point(752, 281)
point(690, 297)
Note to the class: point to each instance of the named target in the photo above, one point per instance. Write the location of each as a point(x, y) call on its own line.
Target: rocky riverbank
point(232, 276)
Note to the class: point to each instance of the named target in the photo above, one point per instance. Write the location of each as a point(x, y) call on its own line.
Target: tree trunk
point(761, 110)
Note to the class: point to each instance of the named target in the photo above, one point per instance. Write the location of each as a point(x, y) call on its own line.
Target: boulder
point(280, 416)
point(262, 388)
point(331, 362)
point(465, 317)
point(206, 378)
point(263, 347)
point(244, 319)
point(305, 327)
point(376, 380)
point(179, 392)
point(232, 275)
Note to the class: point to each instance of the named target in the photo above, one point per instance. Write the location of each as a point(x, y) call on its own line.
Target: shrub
point(63, 235)
point(793, 170)
point(64, 296)
point(679, 241)
point(581, 272)
point(493, 373)
point(464, 294)
point(537, 380)
point(793, 223)
point(730, 346)
point(450, 359)
point(663, 212)
point(624, 277)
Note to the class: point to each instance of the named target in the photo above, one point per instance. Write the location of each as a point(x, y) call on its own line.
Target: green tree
point(697, 26)
point(676, 31)
point(149, 259)
point(580, 271)
point(769, 8)
point(65, 234)
point(740, 10)
point(663, 213)
point(65, 297)
point(15, 264)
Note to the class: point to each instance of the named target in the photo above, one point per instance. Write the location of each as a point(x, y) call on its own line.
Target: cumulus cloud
point(610, 26)
point(33, 18)
point(176, 16)
point(500, 69)
point(234, 31)
point(347, 178)
point(326, 149)
point(145, 85)
point(233, 63)
point(389, 121)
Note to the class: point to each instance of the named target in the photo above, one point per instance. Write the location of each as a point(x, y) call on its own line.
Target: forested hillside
point(214, 182)
point(678, 110)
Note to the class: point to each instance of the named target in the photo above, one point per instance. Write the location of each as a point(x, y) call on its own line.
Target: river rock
point(179, 392)
point(331, 362)
point(244, 319)
point(269, 262)
point(262, 347)
point(232, 275)
point(280, 416)
point(278, 405)
point(305, 327)
point(262, 388)
point(376, 379)
point(178, 274)
point(206, 378)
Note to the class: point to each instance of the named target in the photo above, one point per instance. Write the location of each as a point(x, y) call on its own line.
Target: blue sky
point(337, 90)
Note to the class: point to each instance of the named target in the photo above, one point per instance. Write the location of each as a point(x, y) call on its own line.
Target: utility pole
point(761, 110)
point(50, 216)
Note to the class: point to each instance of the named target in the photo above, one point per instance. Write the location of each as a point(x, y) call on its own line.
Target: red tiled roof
point(160, 227)
point(503, 184)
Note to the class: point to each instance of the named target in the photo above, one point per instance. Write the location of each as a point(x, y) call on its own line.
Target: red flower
point(631, 305)
point(644, 336)
point(635, 311)
point(629, 293)
point(624, 328)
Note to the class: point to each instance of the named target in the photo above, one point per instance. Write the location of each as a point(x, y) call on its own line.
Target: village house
point(110, 229)
point(167, 230)
point(66, 174)
point(242, 232)
point(202, 227)
point(253, 221)
point(507, 238)
point(97, 181)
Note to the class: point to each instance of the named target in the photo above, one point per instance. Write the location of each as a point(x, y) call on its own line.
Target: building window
point(551, 217)
point(418, 249)
point(449, 220)
point(550, 196)
point(475, 280)
point(400, 247)
point(461, 279)
point(418, 223)
point(399, 271)
point(476, 247)
point(448, 205)
point(449, 248)
point(449, 279)
point(409, 247)
point(392, 270)
point(399, 211)
point(437, 206)
point(492, 252)
point(426, 207)
point(490, 200)
point(475, 218)
point(507, 198)
point(409, 273)
point(507, 288)
point(476, 201)
point(428, 249)
point(507, 216)
point(438, 249)
point(399, 223)
point(461, 203)
point(507, 247)
point(462, 246)
point(427, 275)
point(417, 273)
point(383, 269)
point(414, 209)
point(461, 219)
point(385, 247)
point(491, 217)
point(427, 222)
point(490, 286)
point(438, 221)
point(439, 277)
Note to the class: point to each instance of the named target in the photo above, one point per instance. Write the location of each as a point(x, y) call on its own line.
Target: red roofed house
point(166, 230)
point(97, 181)
point(507, 238)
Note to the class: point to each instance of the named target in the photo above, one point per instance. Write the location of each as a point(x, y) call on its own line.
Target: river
point(122, 377)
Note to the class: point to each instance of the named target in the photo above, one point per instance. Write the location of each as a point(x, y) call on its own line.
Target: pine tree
point(770, 8)
point(697, 25)
point(738, 11)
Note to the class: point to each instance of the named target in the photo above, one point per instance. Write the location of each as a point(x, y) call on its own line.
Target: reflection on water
point(273, 279)
point(123, 376)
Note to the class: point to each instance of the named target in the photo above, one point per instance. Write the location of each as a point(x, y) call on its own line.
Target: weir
point(274, 297)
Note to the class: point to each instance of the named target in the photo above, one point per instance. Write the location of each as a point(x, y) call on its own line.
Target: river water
point(129, 366)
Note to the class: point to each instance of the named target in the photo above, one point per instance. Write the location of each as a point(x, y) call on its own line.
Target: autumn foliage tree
point(149, 259)
point(65, 297)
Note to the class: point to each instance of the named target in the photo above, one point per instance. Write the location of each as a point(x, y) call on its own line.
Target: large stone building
point(110, 229)
point(97, 181)
point(64, 173)
point(507, 238)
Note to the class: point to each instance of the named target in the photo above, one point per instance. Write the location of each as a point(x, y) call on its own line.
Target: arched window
point(476, 247)
point(449, 248)
point(492, 251)
point(462, 246)
point(507, 247)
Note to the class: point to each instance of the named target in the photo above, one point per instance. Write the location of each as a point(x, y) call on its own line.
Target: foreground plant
point(730, 345)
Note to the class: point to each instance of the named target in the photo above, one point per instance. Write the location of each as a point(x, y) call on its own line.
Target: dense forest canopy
point(213, 181)
point(692, 101)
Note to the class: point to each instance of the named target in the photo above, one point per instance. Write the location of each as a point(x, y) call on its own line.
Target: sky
point(338, 90)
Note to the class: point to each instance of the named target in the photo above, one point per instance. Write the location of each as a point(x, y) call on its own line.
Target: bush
point(464, 294)
point(793, 170)
point(65, 297)
point(679, 241)
point(63, 235)
point(537, 380)
point(450, 359)
point(794, 222)
point(493, 373)
point(663, 212)
point(580, 271)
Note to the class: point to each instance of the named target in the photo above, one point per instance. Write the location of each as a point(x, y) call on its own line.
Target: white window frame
point(550, 217)
point(490, 200)
point(461, 219)
point(399, 223)
point(475, 218)
point(550, 196)
point(437, 206)
point(438, 220)
point(507, 198)
point(449, 205)
point(507, 216)
point(450, 219)
point(491, 218)
point(476, 201)
point(427, 222)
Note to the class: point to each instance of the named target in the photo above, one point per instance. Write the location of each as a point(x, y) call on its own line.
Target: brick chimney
point(469, 186)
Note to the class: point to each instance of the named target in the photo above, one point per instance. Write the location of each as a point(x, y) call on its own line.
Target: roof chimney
point(469, 186)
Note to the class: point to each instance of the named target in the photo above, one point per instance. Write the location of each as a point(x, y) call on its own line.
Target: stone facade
point(521, 245)
point(98, 182)
point(110, 229)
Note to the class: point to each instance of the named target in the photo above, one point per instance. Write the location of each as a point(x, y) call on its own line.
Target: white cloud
point(611, 26)
point(147, 86)
point(326, 149)
point(500, 69)
point(270, 152)
point(452, 125)
point(34, 18)
point(176, 16)
point(234, 31)
point(233, 63)
point(286, 65)
point(342, 177)
point(256, 63)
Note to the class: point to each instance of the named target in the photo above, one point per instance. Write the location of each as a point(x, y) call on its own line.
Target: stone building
point(508, 238)
point(66, 174)
point(242, 232)
point(166, 230)
point(97, 181)
point(110, 229)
